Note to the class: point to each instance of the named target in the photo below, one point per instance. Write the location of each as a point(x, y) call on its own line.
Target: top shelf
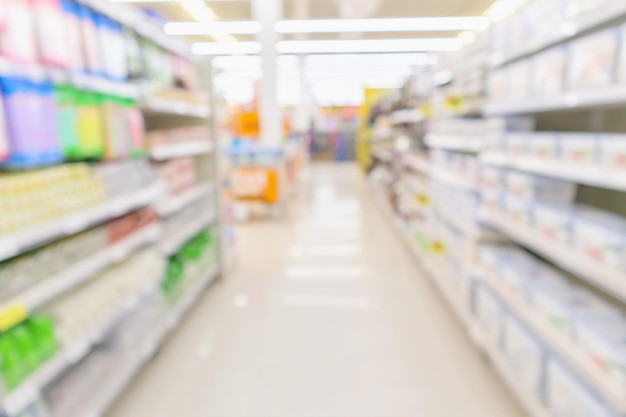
point(133, 18)
point(568, 29)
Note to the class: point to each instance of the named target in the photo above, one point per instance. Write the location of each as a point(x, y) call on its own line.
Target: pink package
point(18, 39)
point(51, 32)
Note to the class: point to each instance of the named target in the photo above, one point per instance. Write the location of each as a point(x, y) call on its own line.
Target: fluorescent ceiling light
point(417, 24)
point(212, 28)
point(226, 48)
point(368, 46)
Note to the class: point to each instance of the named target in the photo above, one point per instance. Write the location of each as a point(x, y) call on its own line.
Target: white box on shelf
point(568, 397)
point(534, 188)
point(492, 199)
point(592, 60)
point(490, 313)
point(519, 74)
point(491, 177)
point(554, 221)
point(579, 147)
point(524, 353)
point(605, 345)
point(612, 149)
point(548, 71)
point(518, 210)
point(544, 145)
point(517, 143)
point(600, 235)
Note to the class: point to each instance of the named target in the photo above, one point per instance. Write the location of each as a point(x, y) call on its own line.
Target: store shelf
point(596, 273)
point(406, 116)
point(455, 143)
point(28, 392)
point(23, 241)
point(109, 391)
point(595, 175)
point(163, 106)
point(93, 83)
point(416, 163)
point(452, 179)
point(560, 344)
point(466, 225)
point(77, 274)
point(602, 97)
point(170, 244)
point(174, 204)
point(180, 150)
point(384, 155)
point(565, 31)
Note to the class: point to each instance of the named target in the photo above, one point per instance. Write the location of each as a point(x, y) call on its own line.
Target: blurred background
point(312, 208)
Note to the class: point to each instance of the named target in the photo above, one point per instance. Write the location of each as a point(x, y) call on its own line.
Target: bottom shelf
point(130, 350)
point(438, 273)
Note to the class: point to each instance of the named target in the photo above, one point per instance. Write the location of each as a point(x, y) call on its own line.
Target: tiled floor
point(324, 314)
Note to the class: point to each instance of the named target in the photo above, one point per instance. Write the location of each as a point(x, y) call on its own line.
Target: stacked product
point(178, 174)
point(31, 198)
point(592, 325)
point(192, 134)
point(463, 165)
point(25, 347)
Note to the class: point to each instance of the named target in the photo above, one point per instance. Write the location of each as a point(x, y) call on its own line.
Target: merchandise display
point(552, 321)
point(82, 230)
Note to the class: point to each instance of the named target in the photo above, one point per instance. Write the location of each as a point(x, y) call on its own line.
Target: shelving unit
point(134, 229)
point(457, 142)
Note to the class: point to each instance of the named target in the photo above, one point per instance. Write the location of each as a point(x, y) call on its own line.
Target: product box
point(533, 188)
point(604, 343)
point(498, 84)
point(621, 67)
point(490, 314)
point(491, 177)
point(519, 83)
point(518, 210)
point(543, 145)
point(600, 235)
point(579, 147)
point(554, 221)
point(612, 150)
point(566, 396)
point(517, 143)
point(593, 61)
point(524, 354)
point(548, 72)
point(492, 199)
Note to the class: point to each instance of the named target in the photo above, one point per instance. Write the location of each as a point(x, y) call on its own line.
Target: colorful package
point(18, 40)
point(73, 34)
point(51, 33)
point(90, 126)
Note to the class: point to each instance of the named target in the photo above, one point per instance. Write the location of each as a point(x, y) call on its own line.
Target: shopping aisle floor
point(324, 314)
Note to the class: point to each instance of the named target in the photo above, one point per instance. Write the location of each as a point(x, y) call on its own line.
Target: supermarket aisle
point(326, 314)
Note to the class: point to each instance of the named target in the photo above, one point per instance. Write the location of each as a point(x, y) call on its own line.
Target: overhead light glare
point(212, 28)
point(226, 48)
point(368, 46)
point(416, 24)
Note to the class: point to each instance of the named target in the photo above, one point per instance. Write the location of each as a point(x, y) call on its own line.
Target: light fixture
point(248, 27)
point(417, 24)
point(368, 46)
point(199, 10)
point(226, 48)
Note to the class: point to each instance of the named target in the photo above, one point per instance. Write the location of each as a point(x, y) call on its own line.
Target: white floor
point(325, 314)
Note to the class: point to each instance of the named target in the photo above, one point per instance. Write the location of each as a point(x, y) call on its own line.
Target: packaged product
point(137, 128)
point(612, 150)
point(515, 271)
point(492, 199)
point(544, 145)
point(491, 177)
point(90, 44)
point(133, 54)
point(579, 147)
point(548, 72)
point(517, 143)
point(524, 354)
point(518, 210)
point(67, 121)
point(17, 39)
point(601, 235)
point(554, 221)
point(604, 343)
point(566, 396)
point(592, 60)
point(117, 130)
point(112, 46)
point(90, 125)
point(73, 34)
point(51, 32)
point(498, 83)
point(529, 187)
point(4, 139)
point(621, 70)
point(51, 145)
point(519, 83)
point(563, 306)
